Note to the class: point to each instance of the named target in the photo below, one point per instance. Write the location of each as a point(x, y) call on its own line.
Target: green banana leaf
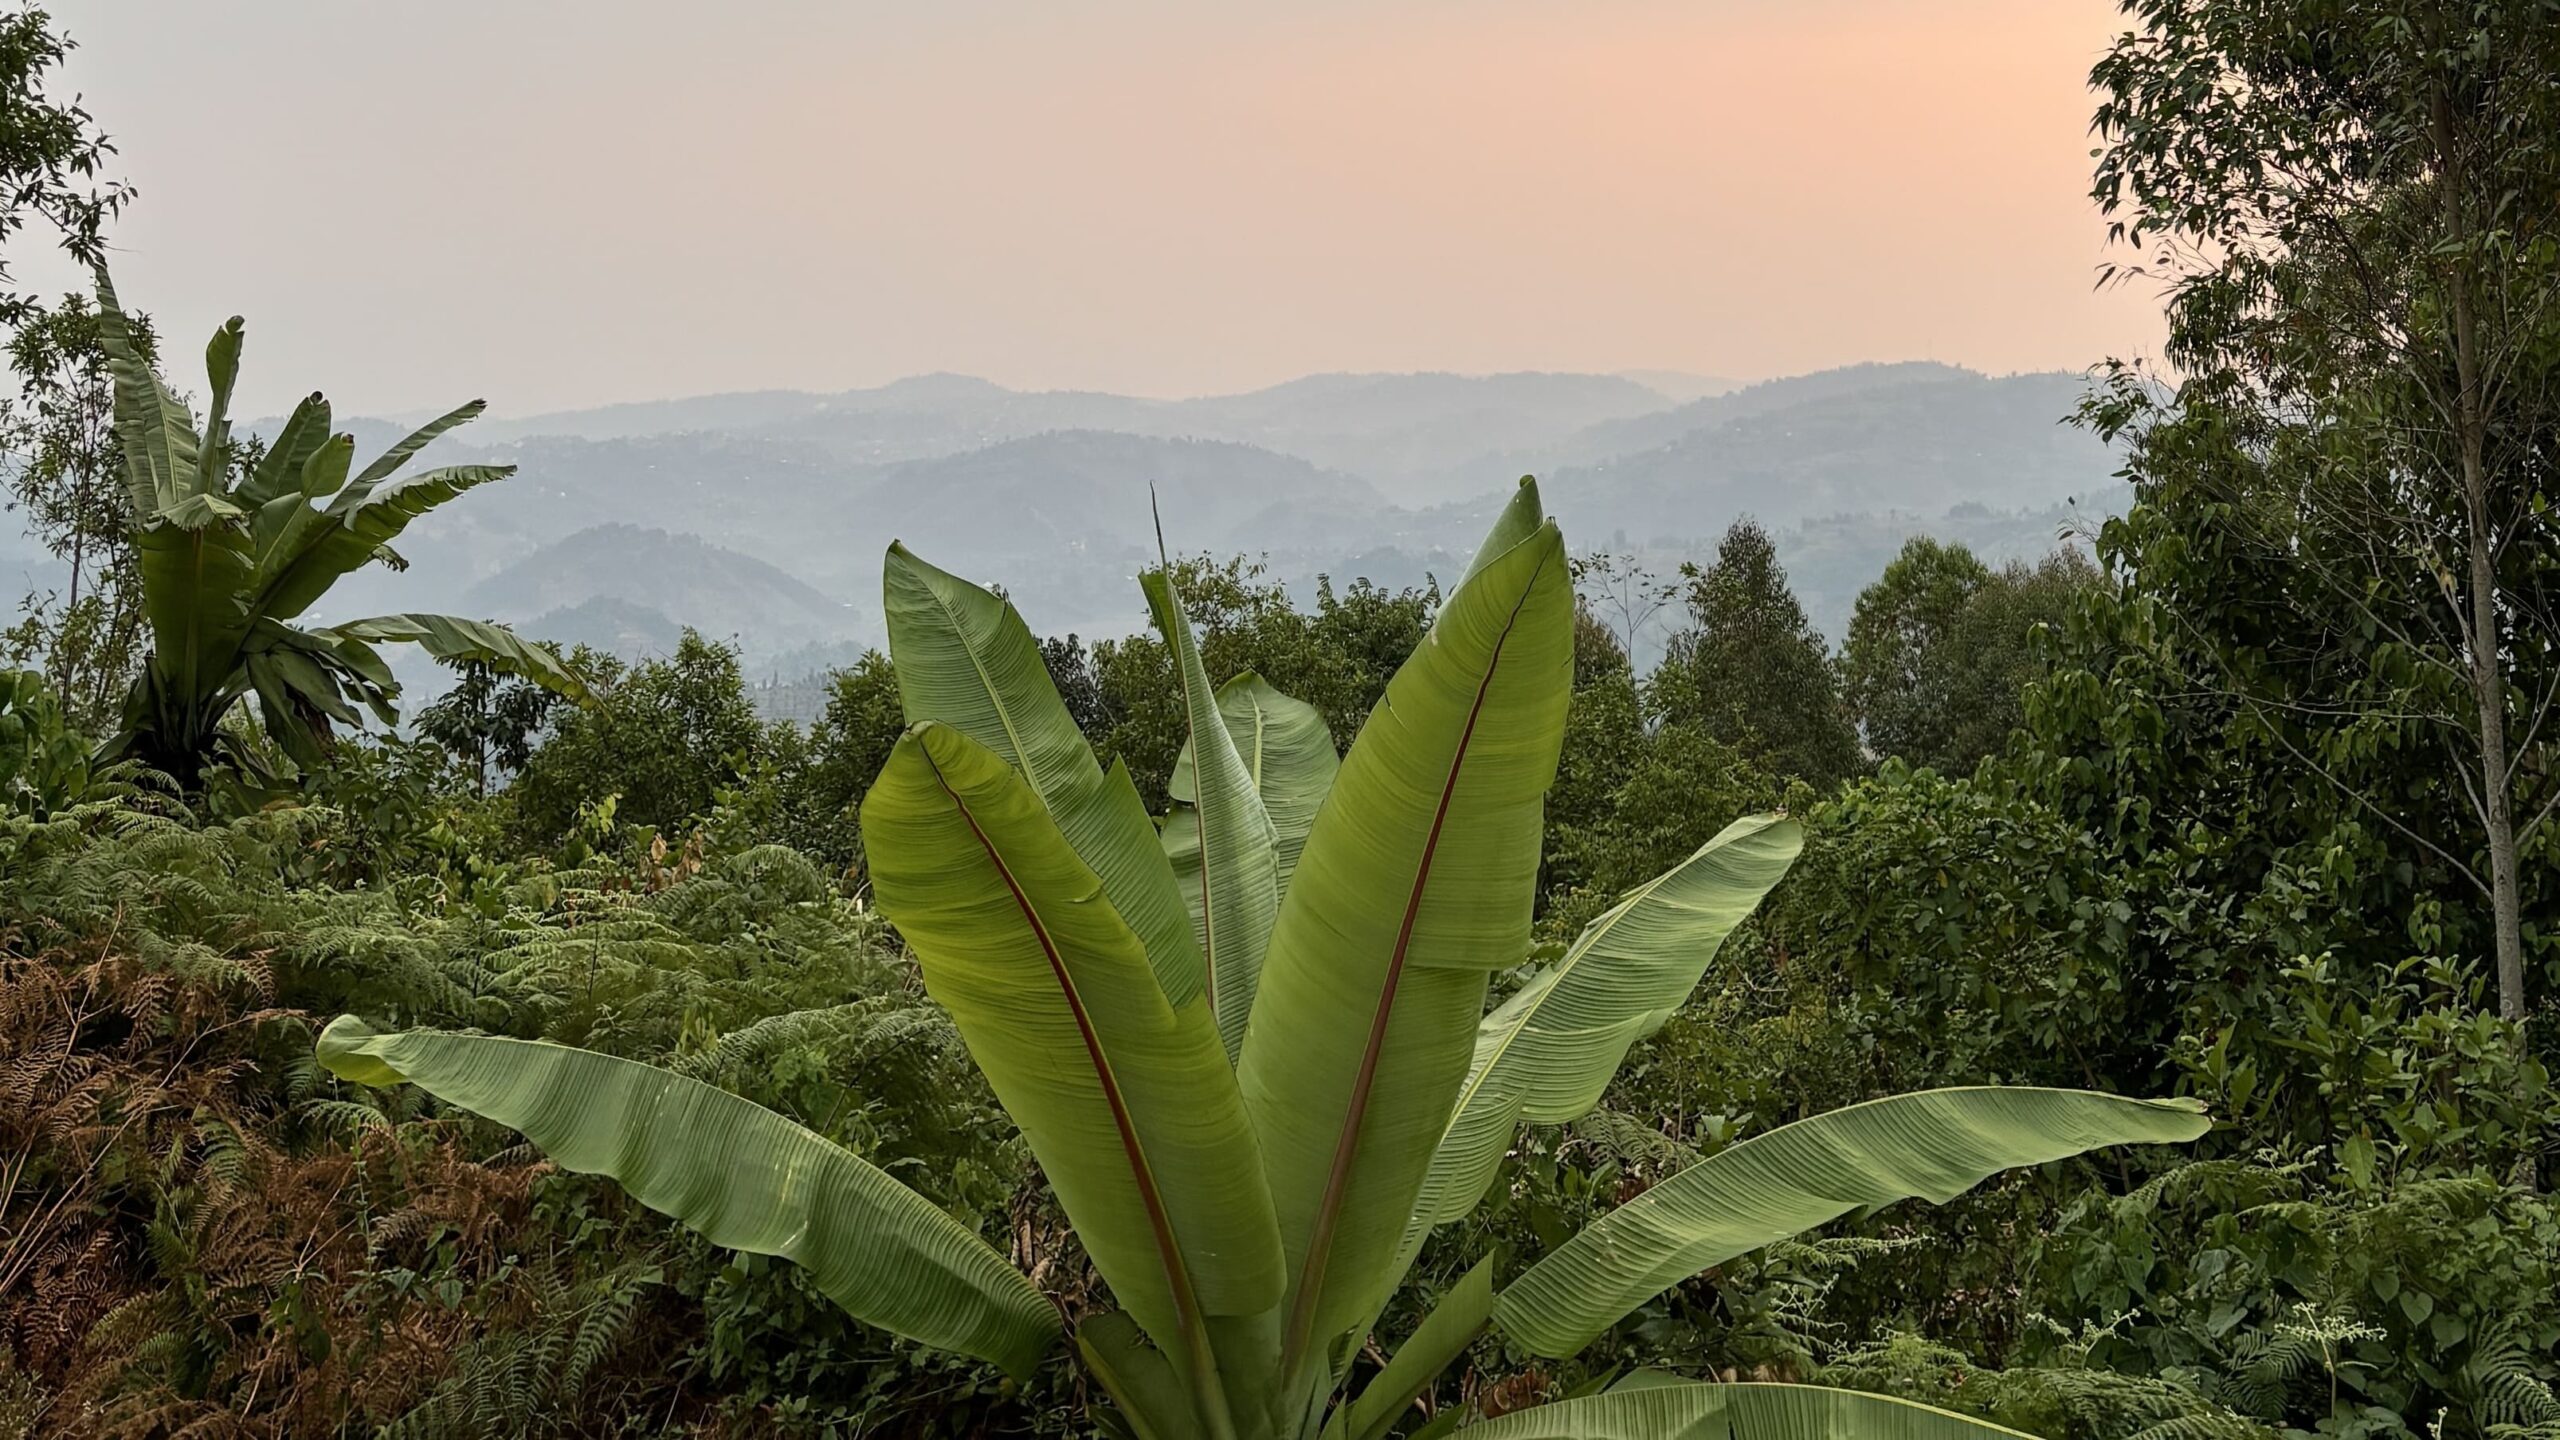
point(965, 659)
point(1286, 746)
point(279, 472)
point(1519, 519)
point(449, 637)
point(1416, 880)
point(285, 525)
point(352, 535)
point(1694, 1411)
point(744, 1177)
point(398, 455)
point(222, 370)
point(1933, 1145)
point(1548, 1052)
point(155, 431)
point(1435, 1344)
point(192, 582)
point(1126, 1099)
point(1238, 896)
point(299, 689)
point(1136, 1376)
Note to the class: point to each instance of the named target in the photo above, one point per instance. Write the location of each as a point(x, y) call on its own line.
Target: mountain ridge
point(1343, 473)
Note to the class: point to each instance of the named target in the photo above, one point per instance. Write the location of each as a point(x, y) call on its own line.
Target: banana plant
point(233, 553)
point(1249, 1045)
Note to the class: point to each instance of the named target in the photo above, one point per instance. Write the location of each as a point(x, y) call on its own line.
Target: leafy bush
point(44, 764)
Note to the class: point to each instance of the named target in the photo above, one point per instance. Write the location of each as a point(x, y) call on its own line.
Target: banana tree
point(233, 553)
point(1250, 1048)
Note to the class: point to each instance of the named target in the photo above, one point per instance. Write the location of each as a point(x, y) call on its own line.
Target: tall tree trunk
point(2488, 686)
point(2488, 673)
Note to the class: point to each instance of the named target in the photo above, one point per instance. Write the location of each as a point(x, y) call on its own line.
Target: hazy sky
point(558, 204)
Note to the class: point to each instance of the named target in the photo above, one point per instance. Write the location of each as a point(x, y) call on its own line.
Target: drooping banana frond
point(449, 637)
point(743, 1176)
point(1547, 1053)
point(1696, 1411)
point(1933, 1145)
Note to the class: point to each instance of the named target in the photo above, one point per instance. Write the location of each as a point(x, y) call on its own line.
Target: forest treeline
point(2248, 801)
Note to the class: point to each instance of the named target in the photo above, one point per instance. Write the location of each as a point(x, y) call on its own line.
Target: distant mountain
point(740, 410)
point(1086, 490)
point(762, 515)
point(1414, 436)
point(638, 580)
point(617, 627)
point(1411, 435)
point(1679, 385)
point(1657, 428)
point(1916, 447)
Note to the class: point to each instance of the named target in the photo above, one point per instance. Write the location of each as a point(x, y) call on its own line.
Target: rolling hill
point(762, 515)
point(635, 583)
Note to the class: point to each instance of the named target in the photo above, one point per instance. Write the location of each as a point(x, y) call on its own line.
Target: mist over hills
point(717, 591)
point(761, 516)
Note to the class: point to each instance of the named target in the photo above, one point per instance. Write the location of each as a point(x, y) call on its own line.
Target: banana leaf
point(1548, 1052)
point(965, 659)
point(744, 1177)
point(1933, 1145)
point(1694, 1411)
point(1238, 896)
point(1126, 1099)
point(1290, 753)
point(1416, 881)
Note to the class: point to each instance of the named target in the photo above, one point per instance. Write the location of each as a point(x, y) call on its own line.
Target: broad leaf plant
point(1249, 1044)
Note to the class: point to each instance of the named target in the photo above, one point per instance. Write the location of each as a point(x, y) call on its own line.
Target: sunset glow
point(1150, 197)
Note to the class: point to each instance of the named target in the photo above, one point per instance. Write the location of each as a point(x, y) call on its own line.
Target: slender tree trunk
point(2488, 685)
point(2488, 674)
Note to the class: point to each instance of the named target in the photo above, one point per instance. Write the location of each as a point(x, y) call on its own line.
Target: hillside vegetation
point(1505, 981)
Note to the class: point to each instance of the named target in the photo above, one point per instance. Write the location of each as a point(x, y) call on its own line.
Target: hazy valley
point(760, 517)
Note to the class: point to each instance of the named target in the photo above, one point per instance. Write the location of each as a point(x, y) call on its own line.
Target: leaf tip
point(341, 1051)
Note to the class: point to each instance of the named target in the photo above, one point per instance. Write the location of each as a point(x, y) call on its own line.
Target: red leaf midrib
point(1168, 1250)
point(1338, 1177)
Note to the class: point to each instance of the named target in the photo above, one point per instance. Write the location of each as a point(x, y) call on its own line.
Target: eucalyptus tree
point(2344, 525)
point(236, 542)
point(53, 156)
point(65, 478)
point(1251, 1050)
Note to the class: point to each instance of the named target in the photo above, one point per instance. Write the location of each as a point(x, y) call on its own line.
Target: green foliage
point(2066, 1401)
point(510, 1299)
point(1749, 672)
point(665, 736)
point(44, 765)
point(2347, 532)
point(237, 541)
point(2375, 1308)
point(1978, 936)
point(1180, 1084)
point(53, 157)
point(488, 720)
point(533, 1381)
point(1942, 649)
point(847, 747)
point(1337, 659)
point(59, 434)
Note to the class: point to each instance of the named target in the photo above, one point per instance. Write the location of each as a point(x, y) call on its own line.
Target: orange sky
point(573, 203)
